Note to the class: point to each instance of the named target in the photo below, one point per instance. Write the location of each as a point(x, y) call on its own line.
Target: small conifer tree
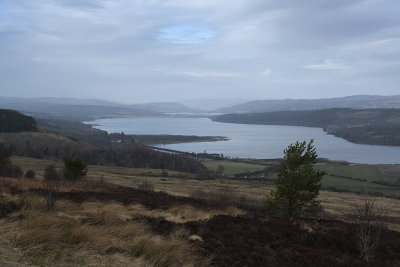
point(298, 183)
point(75, 168)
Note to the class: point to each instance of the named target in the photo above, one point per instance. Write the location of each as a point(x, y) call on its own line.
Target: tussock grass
point(159, 252)
point(28, 202)
point(181, 213)
point(91, 233)
point(48, 238)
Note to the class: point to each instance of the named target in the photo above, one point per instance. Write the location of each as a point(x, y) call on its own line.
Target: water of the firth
point(251, 141)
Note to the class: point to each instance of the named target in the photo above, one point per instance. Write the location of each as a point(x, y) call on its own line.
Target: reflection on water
point(251, 141)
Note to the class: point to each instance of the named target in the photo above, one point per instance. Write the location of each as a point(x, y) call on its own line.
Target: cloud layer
point(155, 50)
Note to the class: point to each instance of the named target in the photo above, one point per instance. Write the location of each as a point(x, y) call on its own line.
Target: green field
point(356, 177)
point(359, 186)
point(232, 168)
point(366, 172)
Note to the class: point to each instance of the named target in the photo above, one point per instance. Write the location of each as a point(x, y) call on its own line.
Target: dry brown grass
point(74, 238)
point(91, 233)
point(335, 204)
point(110, 234)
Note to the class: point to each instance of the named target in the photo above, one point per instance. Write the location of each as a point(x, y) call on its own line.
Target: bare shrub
point(372, 220)
point(51, 184)
point(16, 172)
point(147, 186)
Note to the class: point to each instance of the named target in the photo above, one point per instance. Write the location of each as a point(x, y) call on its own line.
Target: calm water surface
point(251, 141)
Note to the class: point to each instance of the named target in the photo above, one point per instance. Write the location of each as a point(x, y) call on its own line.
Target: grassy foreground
point(184, 184)
point(112, 220)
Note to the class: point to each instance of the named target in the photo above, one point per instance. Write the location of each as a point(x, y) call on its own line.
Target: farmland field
point(232, 168)
point(184, 184)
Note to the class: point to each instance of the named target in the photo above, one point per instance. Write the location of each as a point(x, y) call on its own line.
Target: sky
point(135, 51)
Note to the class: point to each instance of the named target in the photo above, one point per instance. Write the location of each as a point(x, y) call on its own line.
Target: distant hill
point(71, 108)
point(86, 112)
point(17, 101)
point(13, 121)
point(166, 107)
point(211, 104)
point(367, 126)
point(356, 102)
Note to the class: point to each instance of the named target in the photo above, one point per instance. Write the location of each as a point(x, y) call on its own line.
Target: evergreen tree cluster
point(13, 121)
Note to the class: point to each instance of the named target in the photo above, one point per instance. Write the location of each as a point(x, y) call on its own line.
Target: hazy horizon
point(174, 50)
point(195, 101)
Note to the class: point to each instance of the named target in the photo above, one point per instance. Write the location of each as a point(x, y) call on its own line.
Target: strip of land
point(365, 126)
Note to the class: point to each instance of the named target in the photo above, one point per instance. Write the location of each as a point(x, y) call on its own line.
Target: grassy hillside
point(367, 126)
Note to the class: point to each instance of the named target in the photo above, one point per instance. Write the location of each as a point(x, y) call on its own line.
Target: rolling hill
point(356, 102)
point(71, 108)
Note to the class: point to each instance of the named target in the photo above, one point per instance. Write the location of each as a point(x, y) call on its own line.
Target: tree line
point(50, 146)
point(13, 121)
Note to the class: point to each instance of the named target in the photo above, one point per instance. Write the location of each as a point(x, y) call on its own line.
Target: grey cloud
point(261, 48)
point(82, 4)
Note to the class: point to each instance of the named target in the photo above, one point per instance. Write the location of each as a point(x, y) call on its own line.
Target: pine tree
point(298, 183)
point(75, 168)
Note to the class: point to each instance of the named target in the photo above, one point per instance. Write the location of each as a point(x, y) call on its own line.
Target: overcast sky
point(165, 50)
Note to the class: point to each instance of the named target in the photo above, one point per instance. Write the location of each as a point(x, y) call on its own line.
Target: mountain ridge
point(354, 101)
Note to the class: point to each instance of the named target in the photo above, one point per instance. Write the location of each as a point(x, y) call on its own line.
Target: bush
point(51, 184)
point(5, 163)
point(30, 174)
point(220, 170)
point(372, 223)
point(15, 172)
point(75, 168)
